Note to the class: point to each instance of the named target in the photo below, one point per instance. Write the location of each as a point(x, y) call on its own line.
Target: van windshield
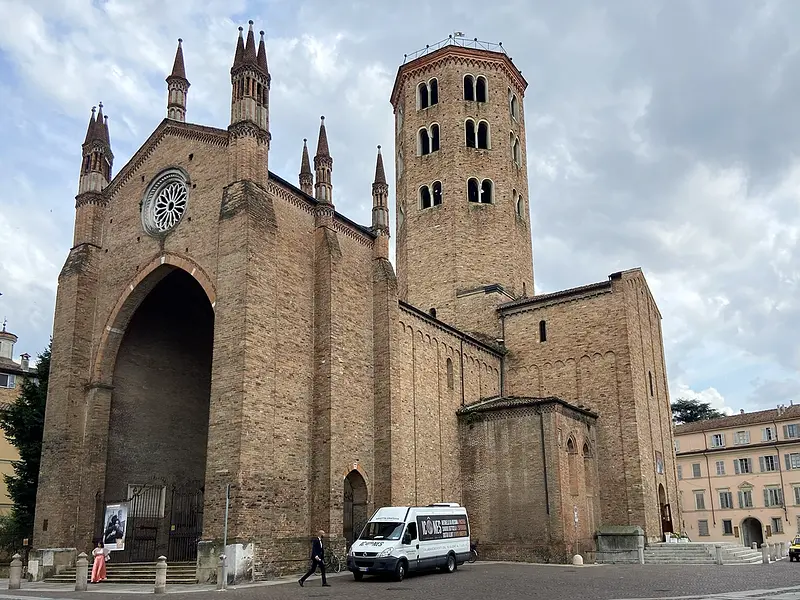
point(378, 530)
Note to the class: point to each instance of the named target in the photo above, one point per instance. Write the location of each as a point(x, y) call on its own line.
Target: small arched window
point(422, 95)
point(481, 89)
point(472, 190)
point(519, 205)
point(514, 107)
point(542, 331)
point(469, 87)
point(399, 166)
point(483, 135)
point(424, 142)
point(433, 87)
point(437, 193)
point(486, 191)
point(434, 137)
point(449, 374)
point(401, 215)
point(432, 312)
point(470, 133)
point(517, 152)
point(399, 117)
point(650, 377)
point(424, 197)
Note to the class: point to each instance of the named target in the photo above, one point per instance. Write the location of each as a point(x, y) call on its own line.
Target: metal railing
point(455, 39)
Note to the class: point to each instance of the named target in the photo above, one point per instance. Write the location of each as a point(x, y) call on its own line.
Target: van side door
point(411, 546)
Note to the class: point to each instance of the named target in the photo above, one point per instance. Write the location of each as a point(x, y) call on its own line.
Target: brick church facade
point(220, 331)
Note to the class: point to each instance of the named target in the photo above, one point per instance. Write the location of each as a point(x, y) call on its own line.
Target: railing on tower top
point(456, 40)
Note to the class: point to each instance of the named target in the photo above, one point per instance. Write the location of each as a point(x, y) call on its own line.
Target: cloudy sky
point(661, 133)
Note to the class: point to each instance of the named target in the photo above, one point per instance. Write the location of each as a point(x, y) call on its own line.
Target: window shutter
point(786, 432)
point(736, 532)
point(761, 463)
point(769, 530)
point(736, 466)
point(741, 500)
point(766, 497)
point(780, 497)
point(788, 460)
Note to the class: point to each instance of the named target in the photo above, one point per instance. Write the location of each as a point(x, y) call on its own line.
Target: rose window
point(165, 203)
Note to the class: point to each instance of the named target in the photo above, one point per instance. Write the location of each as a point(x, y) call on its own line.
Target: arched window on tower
point(437, 193)
point(424, 144)
point(481, 89)
point(469, 87)
point(434, 137)
point(422, 95)
point(483, 135)
point(572, 468)
point(433, 86)
point(514, 107)
point(520, 207)
point(542, 331)
point(469, 127)
point(400, 163)
point(449, 373)
point(424, 197)
point(517, 152)
point(486, 191)
point(473, 194)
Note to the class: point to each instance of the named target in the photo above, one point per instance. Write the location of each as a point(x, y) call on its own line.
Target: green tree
point(691, 411)
point(23, 424)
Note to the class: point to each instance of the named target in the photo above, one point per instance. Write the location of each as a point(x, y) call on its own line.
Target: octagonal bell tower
point(462, 225)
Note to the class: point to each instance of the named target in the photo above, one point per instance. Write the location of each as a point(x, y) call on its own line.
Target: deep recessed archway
point(158, 426)
point(355, 506)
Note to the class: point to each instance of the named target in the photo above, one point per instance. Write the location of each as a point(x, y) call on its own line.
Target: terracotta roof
point(601, 286)
point(751, 418)
point(499, 403)
point(9, 366)
point(380, 174)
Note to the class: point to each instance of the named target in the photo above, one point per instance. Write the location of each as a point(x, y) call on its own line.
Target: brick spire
point(261, 59)
point(250, 57)
point(238, 58)
point(90, 128)
point(178, 68)
point(177, 87)
point(323, 165)
point(101, 127)
point(380, 197)
point(306, 176)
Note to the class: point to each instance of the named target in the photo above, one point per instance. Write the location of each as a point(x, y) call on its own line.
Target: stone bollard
point(222, 576)
point(764, 554)
point(719, 553)
point(81, 572)
point(161, 575)
point(640, 548)
point(15, 573)
point(754, 545)
point(773, 548)
point(577, 559)
point(783, 550)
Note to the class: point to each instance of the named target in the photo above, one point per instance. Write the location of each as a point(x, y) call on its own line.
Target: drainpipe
point(708, 476)
point(780, 473)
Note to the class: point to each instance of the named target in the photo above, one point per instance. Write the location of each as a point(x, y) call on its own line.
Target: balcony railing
point(455, 39)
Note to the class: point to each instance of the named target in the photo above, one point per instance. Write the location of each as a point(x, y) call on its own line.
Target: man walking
point(317, 560)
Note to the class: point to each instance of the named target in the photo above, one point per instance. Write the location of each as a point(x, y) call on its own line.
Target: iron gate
point(160, 520)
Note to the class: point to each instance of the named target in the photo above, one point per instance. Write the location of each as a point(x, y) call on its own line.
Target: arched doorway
point(752, 531)
point(666, 512)
point(355, 506)
point(158, 423)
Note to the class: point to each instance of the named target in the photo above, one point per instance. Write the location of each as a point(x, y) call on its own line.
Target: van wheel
point(400, 570)
point(451, 563)
point(358, 575)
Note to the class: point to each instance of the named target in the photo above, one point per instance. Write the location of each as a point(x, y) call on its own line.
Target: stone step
point(178, 573)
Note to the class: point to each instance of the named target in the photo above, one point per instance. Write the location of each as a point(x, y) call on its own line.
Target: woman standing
point(99, 566)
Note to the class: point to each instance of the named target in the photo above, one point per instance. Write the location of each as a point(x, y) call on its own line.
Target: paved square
point(495, 581)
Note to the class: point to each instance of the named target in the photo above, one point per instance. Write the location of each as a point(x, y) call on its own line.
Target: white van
point(399, 539)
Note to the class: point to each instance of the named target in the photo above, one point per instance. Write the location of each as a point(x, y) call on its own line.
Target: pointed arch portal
point(158, 421)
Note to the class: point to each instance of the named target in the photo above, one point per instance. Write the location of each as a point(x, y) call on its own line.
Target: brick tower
point(463, 236)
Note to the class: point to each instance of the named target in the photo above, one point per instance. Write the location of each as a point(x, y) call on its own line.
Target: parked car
point(794, 549)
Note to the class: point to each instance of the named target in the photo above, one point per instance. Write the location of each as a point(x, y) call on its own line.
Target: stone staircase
point(133, 573)
point(699, 553)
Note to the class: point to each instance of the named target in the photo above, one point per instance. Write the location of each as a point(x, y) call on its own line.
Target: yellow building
point(739, 476)
point(11, 376)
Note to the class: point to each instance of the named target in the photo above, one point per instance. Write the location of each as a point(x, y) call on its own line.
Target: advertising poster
point(114, 526)
point(442, 527)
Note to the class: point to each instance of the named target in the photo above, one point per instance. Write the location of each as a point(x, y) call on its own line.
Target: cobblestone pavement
point(495, 581)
